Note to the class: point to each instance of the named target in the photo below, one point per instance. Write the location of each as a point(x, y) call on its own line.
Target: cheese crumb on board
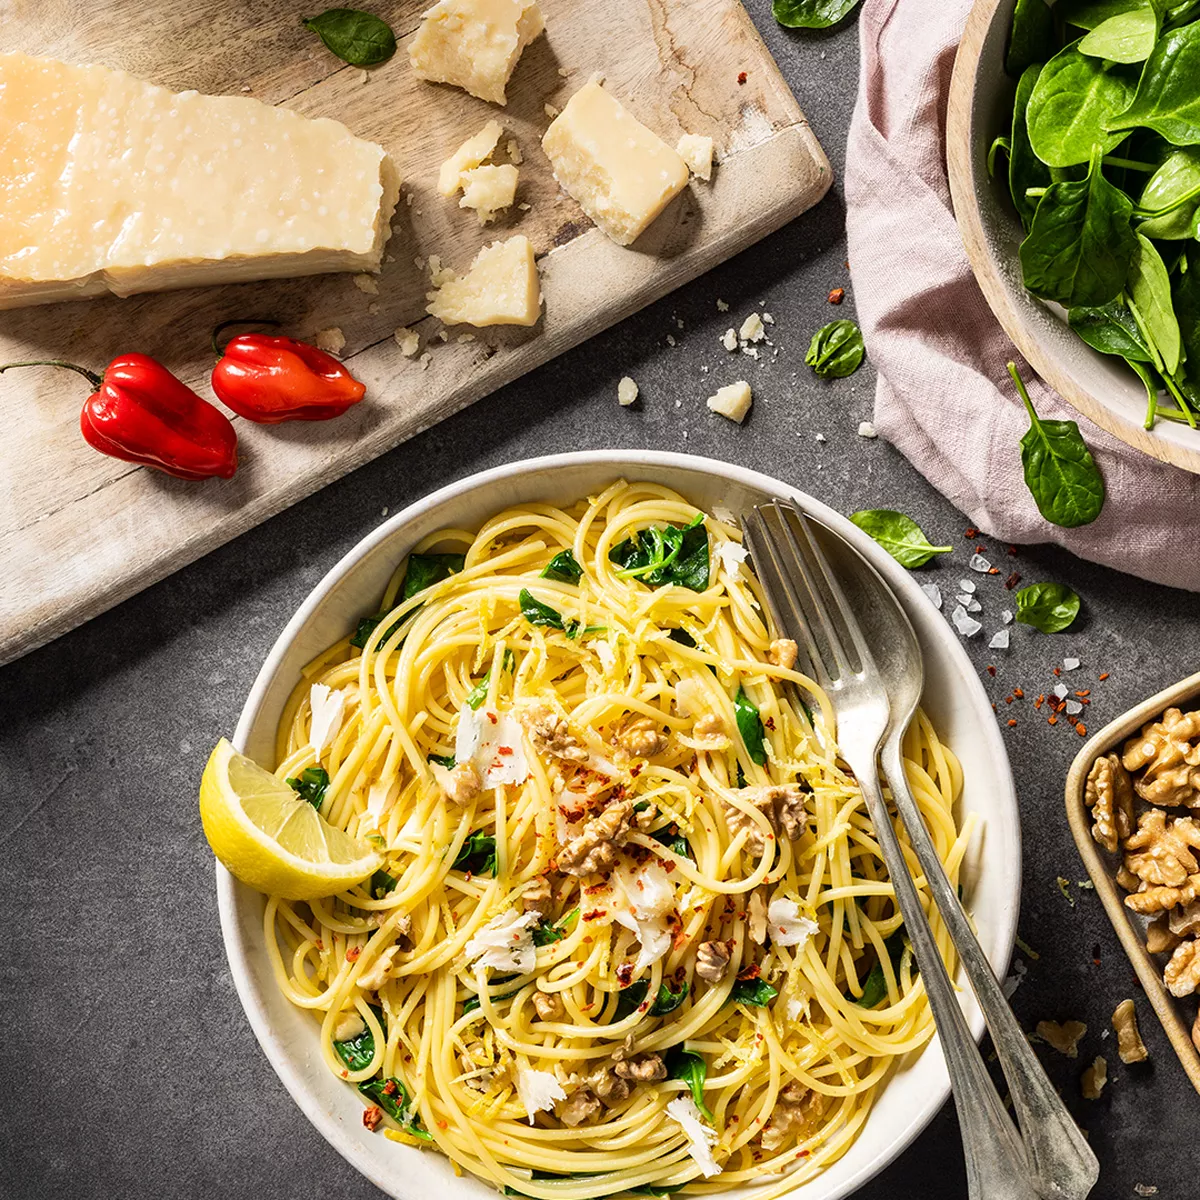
point(752, 329)
point(621, 174)
point(514, 152)
point(474, 44)
point(332, 340)
point(112, 184)
point(475, 150)
point(408, 340)
point(732, 401)
point(697, 152)
point(729, 339)
point(488, 190)
point(366, 283)
point(499, 288)
point(627, 392)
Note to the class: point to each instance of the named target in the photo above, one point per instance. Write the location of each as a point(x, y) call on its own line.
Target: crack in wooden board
point(80, 532)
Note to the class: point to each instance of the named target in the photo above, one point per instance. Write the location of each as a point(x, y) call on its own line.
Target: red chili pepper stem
point(246, 321)
point(91, 376)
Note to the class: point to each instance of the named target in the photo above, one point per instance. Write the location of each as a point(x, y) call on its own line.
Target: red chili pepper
point(141, 413)
point(269, 379)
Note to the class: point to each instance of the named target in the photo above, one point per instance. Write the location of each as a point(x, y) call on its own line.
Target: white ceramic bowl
point(954, 699)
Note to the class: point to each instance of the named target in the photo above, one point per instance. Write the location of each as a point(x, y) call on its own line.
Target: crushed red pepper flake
point(1008, 699)
point(353, 953)
point(1057, 671)
point(1040, 701)
point(993, 570)
point(1011, 722)
point(971, 533)
point(991, 670)
point(1104, 677)
point(1081, 729)
point(1085, 692)
point(741, 77)
point(1012, 581)
point(372, 1116)
point(980, 548)
point(1011, 552)
point(1052, 720)
point(837, 295)
point(1020, 695)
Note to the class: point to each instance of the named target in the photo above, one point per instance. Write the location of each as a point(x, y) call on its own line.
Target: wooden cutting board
point(80, 532)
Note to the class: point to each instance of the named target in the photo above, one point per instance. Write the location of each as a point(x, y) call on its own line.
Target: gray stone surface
point(129, 1068)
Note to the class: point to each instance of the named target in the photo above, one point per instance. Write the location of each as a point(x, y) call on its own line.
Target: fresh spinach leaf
point(537, 613)
point(1126, 37)
point(630, 999)
point(1111, 329)
point(1087, 14)
point(836, 350)
point(1173, 190)
point(666, 554)
point(750, 726)
point(758, 993)
point(471, 1003)
point(357, 1052)
point(1081, 245)
point(547, 935)
point(312, 784)
point(1168, 96)
point(1050, 607)
point(392, 1096)
point(811, 14)
point(999, 145)
point(673, 840)
point(1150, 300)
point(478, 855)
point(1059, 469)
point(1072, 104)
point(359, 38)
point(563, 568)
point(424, 570)
point(668, 1001)
point(899, 535)
point(1031, 36)
point(444, 760)
point(1025, 169)
point(875, 985)
point(381, 883)
point(1185, 297)
point(693, 1070)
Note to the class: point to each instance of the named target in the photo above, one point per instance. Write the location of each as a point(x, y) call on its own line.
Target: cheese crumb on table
point(488, 190)
point(514, 152)
point(697, 152)
point(475, 150)
point(332, 340)
point(729, 340)
point(732, 401)
point(408, 340)
point(867, 430)
point(752, 329)
point(627, 392)
point(474, 44)
point(621, 174)
point(500, 287)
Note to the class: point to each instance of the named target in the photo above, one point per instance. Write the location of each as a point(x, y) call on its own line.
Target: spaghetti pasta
point(634, 931)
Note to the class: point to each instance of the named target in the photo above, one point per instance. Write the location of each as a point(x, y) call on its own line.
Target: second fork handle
point(997, 1168)
point(1064, 1164)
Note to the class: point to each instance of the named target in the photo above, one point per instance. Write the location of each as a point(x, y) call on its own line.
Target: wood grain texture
point(1103, 389)
point(80, 532)
point(1130, 928)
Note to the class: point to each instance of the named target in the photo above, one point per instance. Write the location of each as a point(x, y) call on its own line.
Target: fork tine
point(777, 587)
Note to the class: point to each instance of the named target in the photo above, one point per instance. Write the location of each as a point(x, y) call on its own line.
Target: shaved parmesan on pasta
point(640, 901)
point(538, 1091)
point(786, 926)
point(701, 1138)
point(492, 741)
point(328, 708)
point(505, 943)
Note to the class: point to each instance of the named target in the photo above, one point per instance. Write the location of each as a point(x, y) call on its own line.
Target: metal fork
point(808, 603)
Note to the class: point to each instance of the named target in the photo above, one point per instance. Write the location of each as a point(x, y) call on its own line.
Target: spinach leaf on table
point(1111, 329)
point(1071, 106)
point(666, 554)
point(1081, 245)
point(1174, 191)
point(311, 785)
point(1031, 35)
point(836, 350)
point(750, 726)
point(359, 38)
point(693, 1070)
point(1025, 169)
point(811, 14)
point(1050, 607)
point(1059, 469)
point(1150, 300)
point(1168, 95)
point(1126, 37)
point(899, 535)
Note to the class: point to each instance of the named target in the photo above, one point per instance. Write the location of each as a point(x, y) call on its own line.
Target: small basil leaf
point(750, 726)
point(311, 786)
point(563, 567)
point(811, 14)
point(899, 535)
point(836, 350)
point(359, 38)
point(1050, 607)
point(693, 1070)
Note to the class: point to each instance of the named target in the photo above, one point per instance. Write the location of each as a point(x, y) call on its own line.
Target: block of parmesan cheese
point(499, 288)
point(111, 184)
point(732, 401)
point(621, 174)
point(474, 44)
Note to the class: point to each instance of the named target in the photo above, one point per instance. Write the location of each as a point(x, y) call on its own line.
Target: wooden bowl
point(1102, 868)
point(1101, 387)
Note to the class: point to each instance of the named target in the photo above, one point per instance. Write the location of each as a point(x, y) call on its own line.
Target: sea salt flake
point(934, 593)
point(966, 625)
point(538, 1091)
point(980, 564)
point(1145, 1189)
point(1060, 690)
point(1074, 708)
point(701, 1137)
point(966, 585)
point(1070, 664)
point(1006, 616)
point(999, 640)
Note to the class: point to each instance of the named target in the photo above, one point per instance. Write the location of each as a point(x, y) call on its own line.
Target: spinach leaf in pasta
point(392, 1096)
point(693, 1070)
point(311, 785)
point(750, 726)
point(563, 568)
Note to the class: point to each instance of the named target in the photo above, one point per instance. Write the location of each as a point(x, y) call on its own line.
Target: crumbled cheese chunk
point(722, 306)
point(332, 340)
point(621, 174)
point(367, 283)
point(488, 190)
point(786, 926)
point(514, 152)
point(328, 708)
point(500, 287)
point(768, 319)
point(475, 151)
point(550, 111)
point(697, 152)
point(729, 339)
point(731, 556)
point(505, 943)
point(752, 329)
point(474, 44)
point(641, 901)
point(408, 340)
point(538, 1091)
point(701, 1137)
point(349, 1025)
point(627, 392)
point(380, 798)
point(493, 741)
point(725, 515)
point(732, 401)
point(867, 430)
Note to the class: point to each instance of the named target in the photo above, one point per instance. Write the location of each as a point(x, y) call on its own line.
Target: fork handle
point(997, 1168)
point(1064, 1165)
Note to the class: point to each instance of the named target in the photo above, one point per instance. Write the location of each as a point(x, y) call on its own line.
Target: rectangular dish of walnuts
point(1133, 801)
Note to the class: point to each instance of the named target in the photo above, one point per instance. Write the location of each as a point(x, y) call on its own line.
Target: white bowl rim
point(283, 1060)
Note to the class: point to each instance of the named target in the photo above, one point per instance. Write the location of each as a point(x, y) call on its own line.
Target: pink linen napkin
point(944, 398)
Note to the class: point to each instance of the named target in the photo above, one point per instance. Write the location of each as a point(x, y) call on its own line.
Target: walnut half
point(595, 848)
point(1161, 853)
point(1094, 1079)
point(1130, 1046)
point(1182, 973)
point(1109, 794)
point(1065, 1038)
point(1167, 753)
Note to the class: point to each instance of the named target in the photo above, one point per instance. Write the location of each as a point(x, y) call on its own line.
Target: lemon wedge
point(271, 839)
